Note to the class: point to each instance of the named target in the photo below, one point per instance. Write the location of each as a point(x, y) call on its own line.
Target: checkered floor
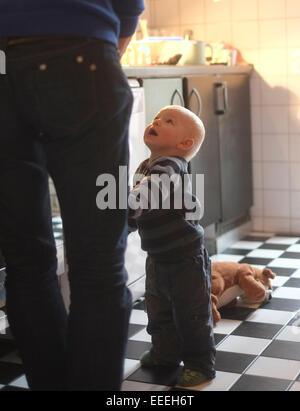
point(258, 347)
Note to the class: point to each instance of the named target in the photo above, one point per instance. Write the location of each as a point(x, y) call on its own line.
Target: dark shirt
point(167, 226)
point(103, 19)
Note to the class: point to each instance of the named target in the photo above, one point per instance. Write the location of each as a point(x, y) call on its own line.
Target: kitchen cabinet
point(199, 98)
point(235, 145)
point(135, 257)
point(161, 92)
point(223, 103)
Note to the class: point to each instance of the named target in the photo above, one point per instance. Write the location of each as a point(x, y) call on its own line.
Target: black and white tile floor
point(258, 347)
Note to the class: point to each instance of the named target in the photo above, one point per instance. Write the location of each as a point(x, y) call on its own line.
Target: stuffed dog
point(230, 280)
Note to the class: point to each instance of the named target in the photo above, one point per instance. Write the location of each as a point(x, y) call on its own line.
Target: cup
point(199, 52)
point(196, 54)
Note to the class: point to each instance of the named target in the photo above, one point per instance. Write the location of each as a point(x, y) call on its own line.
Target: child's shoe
point(191, 378)
point(148, 361)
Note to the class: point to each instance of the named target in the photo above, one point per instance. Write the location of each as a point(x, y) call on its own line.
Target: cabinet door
point(161, 92)
point(199, 98)
point(233, 110)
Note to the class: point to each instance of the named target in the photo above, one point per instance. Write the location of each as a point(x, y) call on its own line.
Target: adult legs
point(80, 113)
point(79, 150)
point(35, 308)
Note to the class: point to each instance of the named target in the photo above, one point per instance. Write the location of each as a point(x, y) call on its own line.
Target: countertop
point(179, 71)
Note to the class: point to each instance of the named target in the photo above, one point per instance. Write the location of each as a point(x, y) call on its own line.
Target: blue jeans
point(178, 301)
point(64, 110)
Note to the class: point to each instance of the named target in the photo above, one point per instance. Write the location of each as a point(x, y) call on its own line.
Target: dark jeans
point(178, 301)
point(64, 110)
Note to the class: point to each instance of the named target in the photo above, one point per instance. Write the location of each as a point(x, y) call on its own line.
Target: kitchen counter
point(178, 71)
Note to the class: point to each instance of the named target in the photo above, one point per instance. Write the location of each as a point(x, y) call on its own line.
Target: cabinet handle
point(199, 101)
point(177, 92)
point(223, 87)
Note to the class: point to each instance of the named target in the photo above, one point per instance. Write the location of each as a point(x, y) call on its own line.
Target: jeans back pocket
point(66, 94)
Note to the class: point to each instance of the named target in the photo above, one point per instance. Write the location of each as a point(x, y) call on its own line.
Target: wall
point(268, 34)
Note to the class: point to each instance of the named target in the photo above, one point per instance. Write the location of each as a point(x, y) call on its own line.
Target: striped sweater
point(165, 213)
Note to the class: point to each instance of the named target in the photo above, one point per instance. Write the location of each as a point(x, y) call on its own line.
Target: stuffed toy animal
point(230, 280)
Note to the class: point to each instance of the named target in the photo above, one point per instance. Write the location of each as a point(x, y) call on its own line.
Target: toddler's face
point(166, 131)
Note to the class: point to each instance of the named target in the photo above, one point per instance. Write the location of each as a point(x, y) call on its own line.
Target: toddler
point(178, 269)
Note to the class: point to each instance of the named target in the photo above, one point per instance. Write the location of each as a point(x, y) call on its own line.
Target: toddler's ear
point(186, 144)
